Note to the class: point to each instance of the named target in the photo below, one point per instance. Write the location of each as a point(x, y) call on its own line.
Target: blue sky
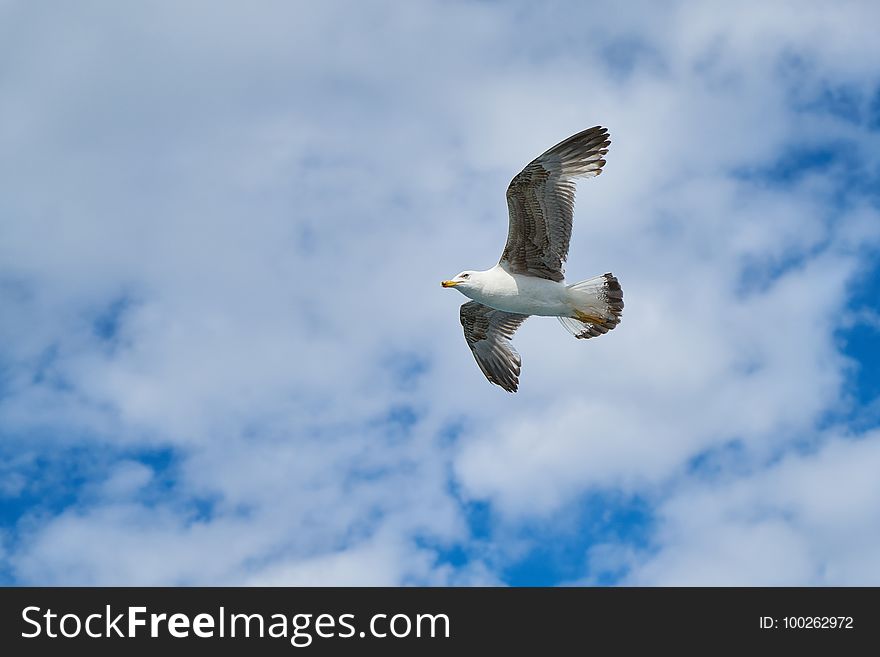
point(225, 357)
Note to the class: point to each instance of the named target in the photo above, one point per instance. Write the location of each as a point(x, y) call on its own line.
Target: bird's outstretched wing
point(488, 333)
point(540, 200)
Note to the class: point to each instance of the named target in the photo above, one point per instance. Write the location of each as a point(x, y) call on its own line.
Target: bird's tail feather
point(597, 304)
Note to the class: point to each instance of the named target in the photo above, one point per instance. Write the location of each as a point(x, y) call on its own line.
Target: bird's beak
point(449, 283)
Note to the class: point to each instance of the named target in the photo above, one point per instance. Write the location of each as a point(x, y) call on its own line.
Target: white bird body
point(515, 293)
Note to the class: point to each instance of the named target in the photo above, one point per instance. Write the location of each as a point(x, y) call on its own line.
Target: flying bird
point(529, 278)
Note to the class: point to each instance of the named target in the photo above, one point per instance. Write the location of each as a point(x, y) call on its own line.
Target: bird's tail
point(597, 304)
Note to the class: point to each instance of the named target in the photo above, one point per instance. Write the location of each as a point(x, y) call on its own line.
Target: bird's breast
point(526, 295)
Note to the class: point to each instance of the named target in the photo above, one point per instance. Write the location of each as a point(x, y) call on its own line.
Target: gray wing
point(540, 200)
point(488, 333)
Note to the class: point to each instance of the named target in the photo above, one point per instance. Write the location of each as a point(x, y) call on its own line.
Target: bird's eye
point(465, 275)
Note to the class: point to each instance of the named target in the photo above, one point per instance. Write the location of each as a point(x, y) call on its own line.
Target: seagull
point(529, 278)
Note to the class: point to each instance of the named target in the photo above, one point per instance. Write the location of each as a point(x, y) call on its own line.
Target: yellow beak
point(449, 283)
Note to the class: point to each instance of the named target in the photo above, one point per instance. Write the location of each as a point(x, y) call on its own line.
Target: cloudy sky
point(225, 357)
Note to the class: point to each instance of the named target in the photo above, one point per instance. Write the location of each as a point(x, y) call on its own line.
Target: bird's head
point(466, 280)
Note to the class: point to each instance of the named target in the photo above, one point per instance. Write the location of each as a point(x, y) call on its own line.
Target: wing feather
point(540, 201)
point(488, 333)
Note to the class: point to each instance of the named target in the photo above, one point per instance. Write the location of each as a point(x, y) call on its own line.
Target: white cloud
point(126, 479)
point(809, 519)
point(204, 164)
